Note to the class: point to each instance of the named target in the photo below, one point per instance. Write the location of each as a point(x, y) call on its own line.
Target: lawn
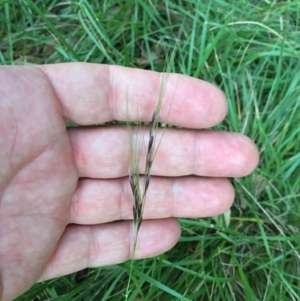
point(251, 50)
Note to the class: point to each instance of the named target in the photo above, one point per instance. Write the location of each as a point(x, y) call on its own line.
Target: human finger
point(93, 246)
point(101, 201)
point(93, 93)
point(105, 153)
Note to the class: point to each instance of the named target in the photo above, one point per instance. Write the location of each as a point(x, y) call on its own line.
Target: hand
point(60, 188)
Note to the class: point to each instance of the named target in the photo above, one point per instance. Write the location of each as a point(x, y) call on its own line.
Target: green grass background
point(250, 49)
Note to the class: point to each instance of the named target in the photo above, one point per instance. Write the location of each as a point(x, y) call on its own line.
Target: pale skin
point(61, 189)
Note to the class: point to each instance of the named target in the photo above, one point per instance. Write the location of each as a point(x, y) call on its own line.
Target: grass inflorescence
point(139, 192)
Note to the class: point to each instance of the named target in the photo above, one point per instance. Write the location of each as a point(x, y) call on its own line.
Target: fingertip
point(225, 197)
point(220, 105)
point(226, 154)
point(198, 104)
point(251, 156)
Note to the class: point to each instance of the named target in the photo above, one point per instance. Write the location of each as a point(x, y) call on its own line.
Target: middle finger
point(104, 152)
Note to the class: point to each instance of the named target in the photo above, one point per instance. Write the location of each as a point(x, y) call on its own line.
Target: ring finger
point(101, 201)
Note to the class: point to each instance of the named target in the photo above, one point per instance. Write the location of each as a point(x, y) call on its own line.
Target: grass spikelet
point(139, 191)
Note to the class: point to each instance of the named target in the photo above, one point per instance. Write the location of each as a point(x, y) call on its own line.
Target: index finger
point(92, 93)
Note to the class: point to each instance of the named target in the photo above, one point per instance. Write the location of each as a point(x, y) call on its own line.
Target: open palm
point(61, 188)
